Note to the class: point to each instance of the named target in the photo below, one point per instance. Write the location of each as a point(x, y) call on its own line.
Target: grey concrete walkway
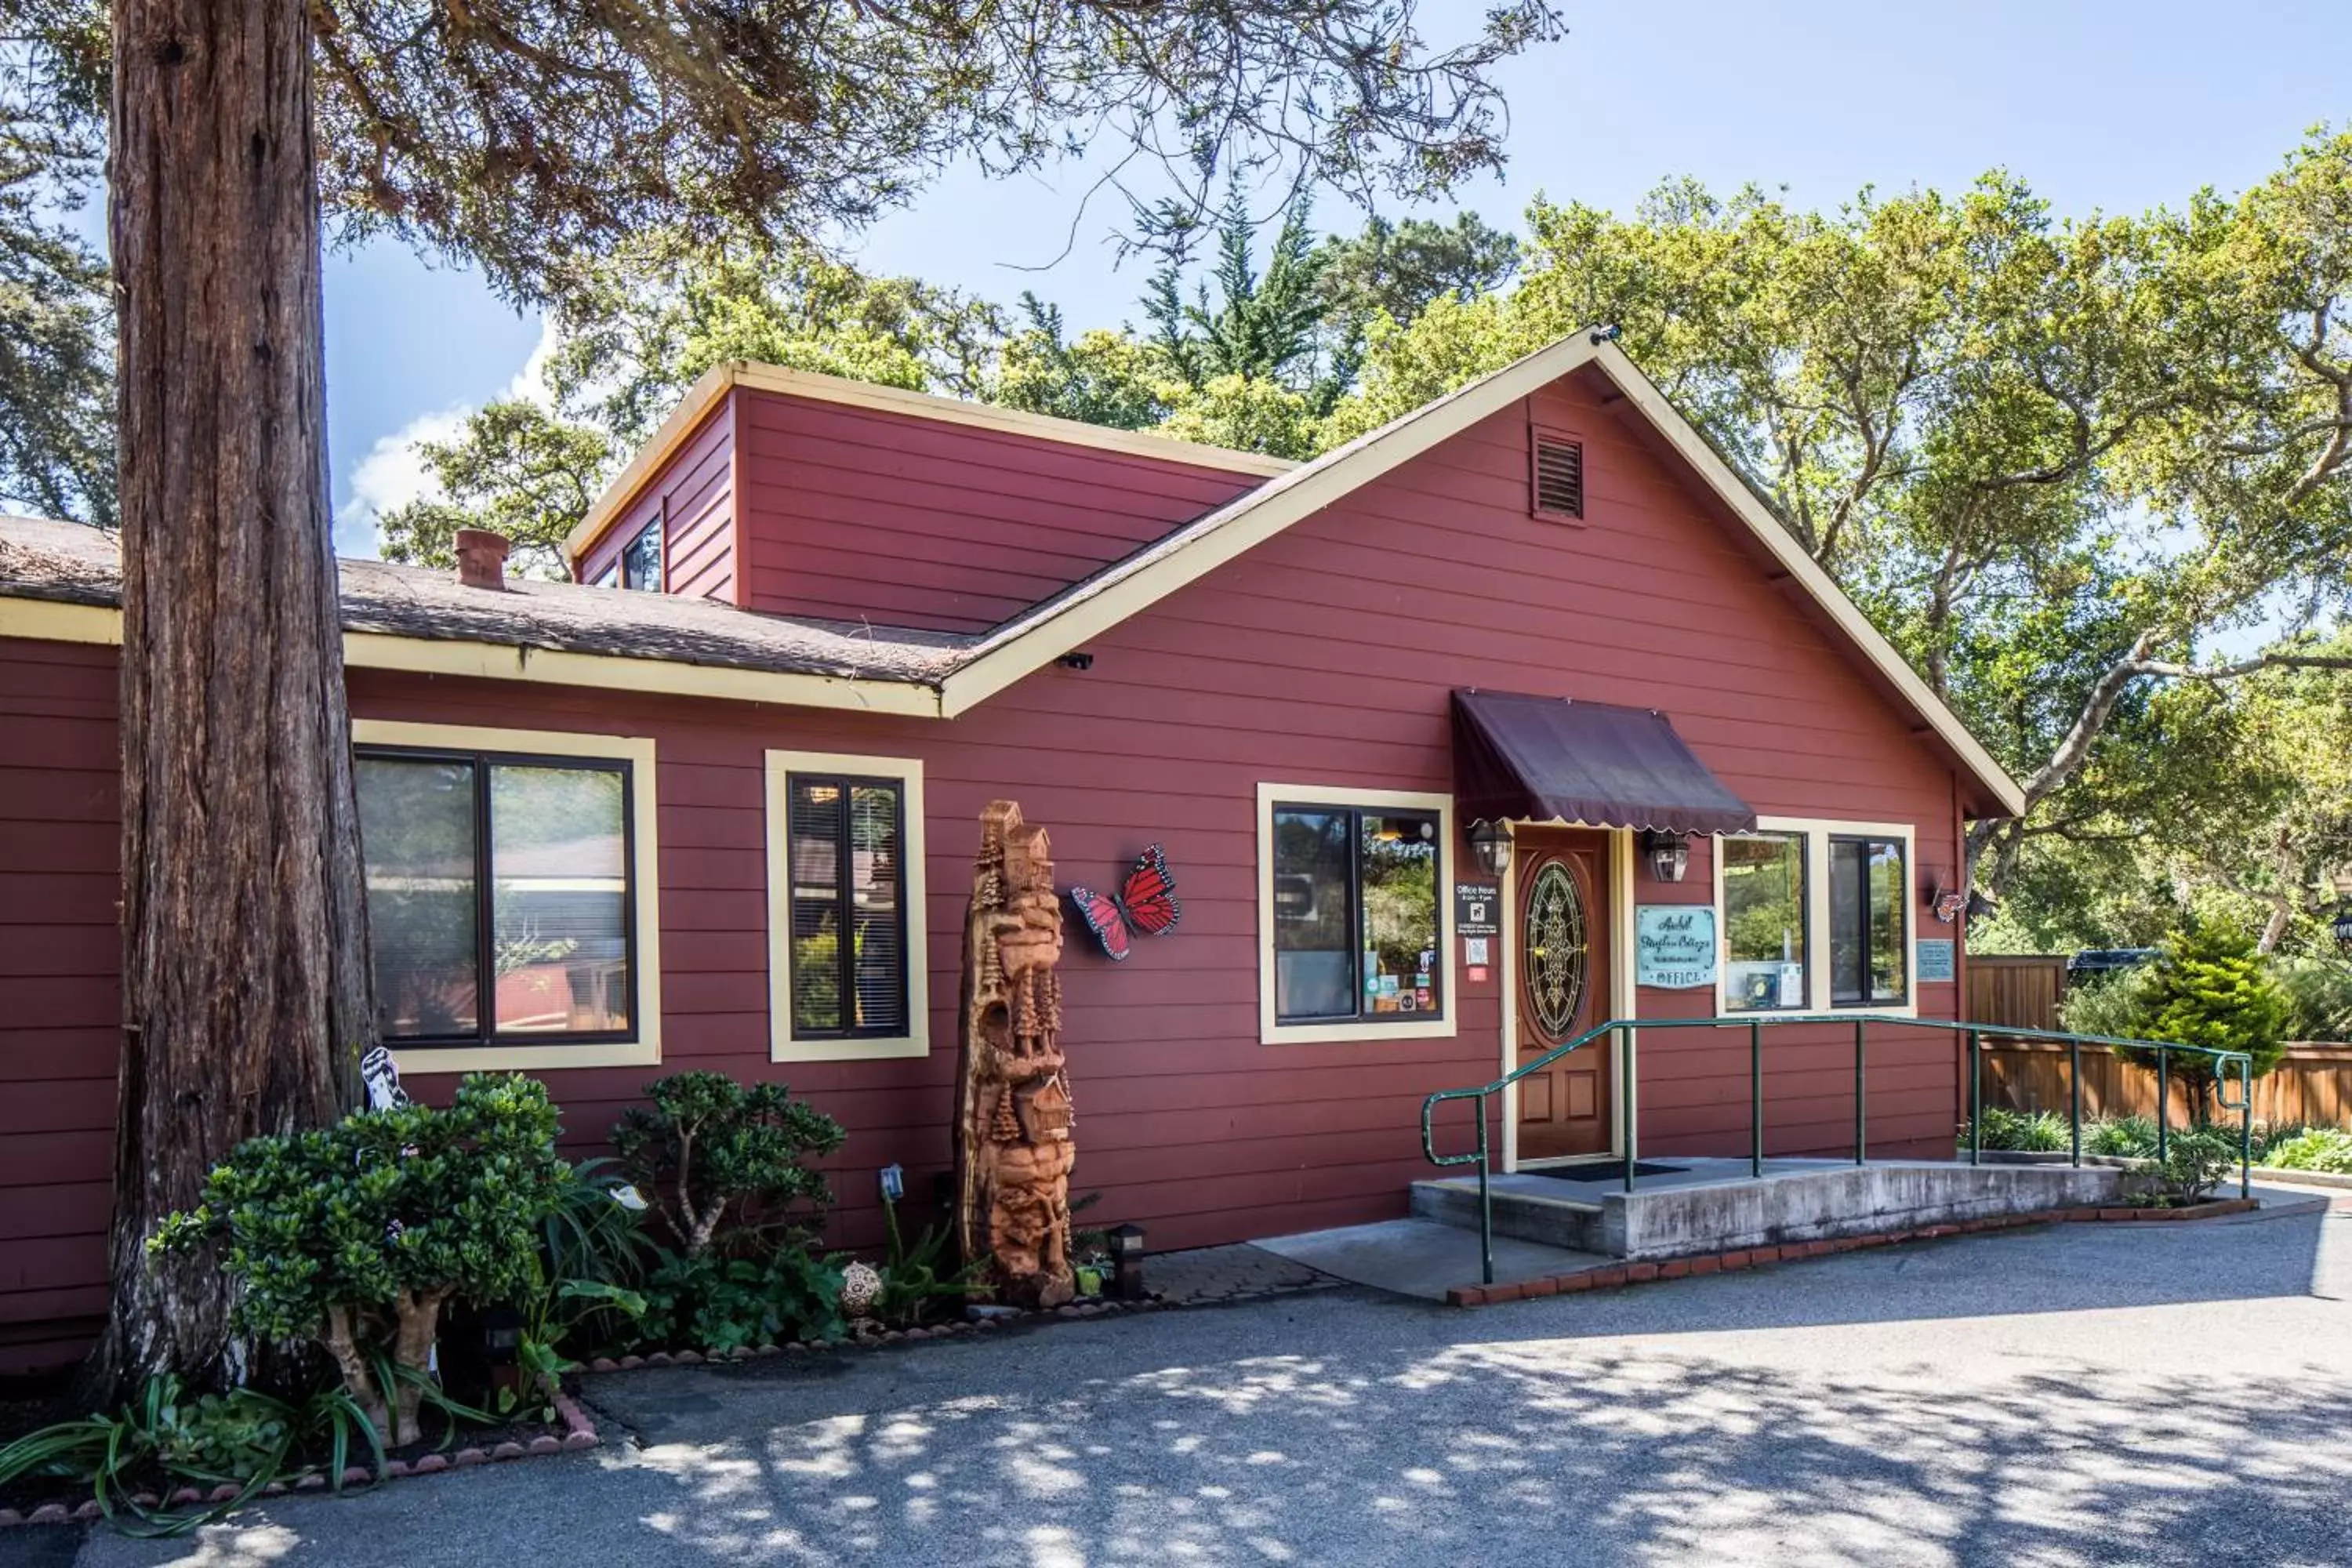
point(2080, 1394)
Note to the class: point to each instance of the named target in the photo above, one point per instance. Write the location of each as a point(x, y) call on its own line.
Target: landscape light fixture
point(1126, 1260)
point(1668, 854)
point(1492, 843)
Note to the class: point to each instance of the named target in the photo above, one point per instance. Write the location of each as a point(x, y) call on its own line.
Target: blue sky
point(2108, 105)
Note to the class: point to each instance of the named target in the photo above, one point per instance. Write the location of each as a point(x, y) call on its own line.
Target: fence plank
point(2019, 991)
point(2312, 1083)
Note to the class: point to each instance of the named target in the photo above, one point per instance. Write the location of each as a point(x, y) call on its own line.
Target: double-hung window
point(846, 907)
point(1352, 900)
point(1814, 916)
point(507, 889)
point(1764, 882)
point(1868, 951)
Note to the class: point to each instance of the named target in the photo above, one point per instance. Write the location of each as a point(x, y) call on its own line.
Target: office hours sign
point(1674, 946)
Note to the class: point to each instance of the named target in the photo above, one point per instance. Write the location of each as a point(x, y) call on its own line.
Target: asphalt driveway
point(2080, 1394)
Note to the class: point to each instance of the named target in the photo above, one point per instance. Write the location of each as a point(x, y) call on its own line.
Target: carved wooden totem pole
point(1013, 1143)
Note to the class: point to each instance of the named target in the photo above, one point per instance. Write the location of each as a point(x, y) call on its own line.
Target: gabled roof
point(1090, 607)
point(411, 618)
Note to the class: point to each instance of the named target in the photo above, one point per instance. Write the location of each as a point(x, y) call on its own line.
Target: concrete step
point(1542, 1217)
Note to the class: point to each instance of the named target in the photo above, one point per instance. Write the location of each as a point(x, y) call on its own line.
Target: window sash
point(641, 559)
point(482, 764)
point(844, 895)
point(1868, 910)
point(1733, 1001)
point(1357, 1012)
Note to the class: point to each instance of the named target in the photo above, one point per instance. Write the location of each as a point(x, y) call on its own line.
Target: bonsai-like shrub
point(2210, 988)
point(721, 1161)
point(358, 1234)
point(2195, 1161)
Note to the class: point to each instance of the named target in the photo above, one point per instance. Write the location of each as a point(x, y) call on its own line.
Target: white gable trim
point(1032, 640)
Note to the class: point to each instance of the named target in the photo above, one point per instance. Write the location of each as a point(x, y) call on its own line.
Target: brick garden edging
point(579, 1432)
point(1099, 1308)
point(1614, 1276)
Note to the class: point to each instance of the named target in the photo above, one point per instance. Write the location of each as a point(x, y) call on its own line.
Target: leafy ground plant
point(358, 1234)
point(163, 1440)
point(2037, 1131)
point(2128, 1137)
point(2314, 1149)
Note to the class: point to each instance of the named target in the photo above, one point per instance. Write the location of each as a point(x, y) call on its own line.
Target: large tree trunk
point(245, 977)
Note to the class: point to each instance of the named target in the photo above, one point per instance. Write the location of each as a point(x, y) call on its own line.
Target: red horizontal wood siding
point(862, 514)
point(60, 1013)
point(1324, 657)
point(693, 495)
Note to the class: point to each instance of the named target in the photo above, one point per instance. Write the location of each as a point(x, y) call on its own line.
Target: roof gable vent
point(1558, 476)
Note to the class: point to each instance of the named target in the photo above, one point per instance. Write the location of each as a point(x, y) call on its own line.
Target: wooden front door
point(1560, 937)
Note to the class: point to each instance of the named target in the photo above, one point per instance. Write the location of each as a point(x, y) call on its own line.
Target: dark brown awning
point(1538, 758)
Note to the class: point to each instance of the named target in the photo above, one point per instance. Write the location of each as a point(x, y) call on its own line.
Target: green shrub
point(358, 1234)
point(2128, 1137)
point(2318, 993)
point(721, 1161)
point(2037, 1131)
point(2195, 1161)
point(2211, 989)
point(2114, 1006)
point(2317, 1149)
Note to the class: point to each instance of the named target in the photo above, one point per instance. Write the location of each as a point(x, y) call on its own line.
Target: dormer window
point(640, 561)
point(1556, 476)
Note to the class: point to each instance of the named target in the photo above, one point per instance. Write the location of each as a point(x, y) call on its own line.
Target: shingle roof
point(70, 563)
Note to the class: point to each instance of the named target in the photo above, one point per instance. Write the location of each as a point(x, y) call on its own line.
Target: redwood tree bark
point(246, 1001)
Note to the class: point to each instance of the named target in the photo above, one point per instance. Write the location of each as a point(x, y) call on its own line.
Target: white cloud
point(392, 474)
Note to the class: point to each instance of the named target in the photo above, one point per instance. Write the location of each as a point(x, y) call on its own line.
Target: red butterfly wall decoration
point(1146, 903)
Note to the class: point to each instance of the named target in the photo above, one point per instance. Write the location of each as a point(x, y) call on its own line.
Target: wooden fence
point(2020, 990)
point(2311, 1083)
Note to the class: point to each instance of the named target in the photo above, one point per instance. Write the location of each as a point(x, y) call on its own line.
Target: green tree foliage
point(2210, 989)
point(2052, 460)
point(57, 357)
point(1400, 270)
point(358, 1234)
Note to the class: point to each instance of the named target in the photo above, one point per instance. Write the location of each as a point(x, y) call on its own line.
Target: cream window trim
point(916, 1040)
point(1271, 1031)
point(645, 882)
point(1817, 832)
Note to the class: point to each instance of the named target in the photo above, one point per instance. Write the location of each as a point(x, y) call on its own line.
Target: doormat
point(1607, 1173)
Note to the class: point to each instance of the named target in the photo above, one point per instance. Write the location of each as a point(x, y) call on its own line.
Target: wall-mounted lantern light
point(1668, 855)
point(1491, 841)
point(2342, 927)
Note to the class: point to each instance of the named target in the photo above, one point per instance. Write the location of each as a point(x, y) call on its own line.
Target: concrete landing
point(1716, 1206)
point(1421, 1258)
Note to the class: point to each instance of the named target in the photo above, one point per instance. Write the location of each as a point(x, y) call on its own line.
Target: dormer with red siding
point(810, 496)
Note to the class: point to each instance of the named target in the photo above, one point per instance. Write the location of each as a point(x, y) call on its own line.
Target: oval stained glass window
point(1554, 959)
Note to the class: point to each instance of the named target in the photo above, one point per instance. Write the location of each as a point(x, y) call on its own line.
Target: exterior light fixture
point(1126, 1259)
point(1491, 841)
point(2342, 926)
point(1667, 853)
point(501, 1336)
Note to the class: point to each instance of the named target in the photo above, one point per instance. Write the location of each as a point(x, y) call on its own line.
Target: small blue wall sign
point(1936, 958)
point(1674, 946)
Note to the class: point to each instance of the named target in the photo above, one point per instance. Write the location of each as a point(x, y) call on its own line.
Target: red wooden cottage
point(612, 833)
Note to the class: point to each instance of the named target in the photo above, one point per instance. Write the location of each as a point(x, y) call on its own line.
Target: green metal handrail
point(1624, 1029)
